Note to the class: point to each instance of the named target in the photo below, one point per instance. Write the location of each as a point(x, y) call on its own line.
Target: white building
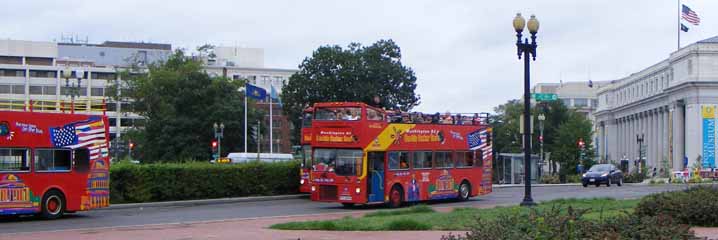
point(575, 95)
point(672, 104)
point(31, 72)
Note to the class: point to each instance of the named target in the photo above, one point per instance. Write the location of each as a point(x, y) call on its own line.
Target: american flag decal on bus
point(477, 139)
point(89, 134)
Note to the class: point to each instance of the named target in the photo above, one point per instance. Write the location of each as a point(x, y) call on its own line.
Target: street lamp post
point(73, 90)
point(218, 134)
point(639, 140)
point(528, 50)
point(541, 118)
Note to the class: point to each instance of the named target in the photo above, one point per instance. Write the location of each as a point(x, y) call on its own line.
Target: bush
point(634, 177)
point(185, 181)
point(559, 223)
point(573, 178)
point(695, 206)
point(404, 224)
point(550, 179)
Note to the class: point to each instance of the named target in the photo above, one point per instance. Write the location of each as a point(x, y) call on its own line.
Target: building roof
point(137, 45)
point(709, 40)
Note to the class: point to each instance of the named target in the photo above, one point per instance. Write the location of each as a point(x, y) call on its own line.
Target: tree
point(562, 130)
point(180, 102)
point(357, 74)
point(565, 149)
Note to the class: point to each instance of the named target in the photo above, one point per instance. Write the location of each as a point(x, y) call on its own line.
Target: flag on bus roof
point(689, 15)
point(255, 92)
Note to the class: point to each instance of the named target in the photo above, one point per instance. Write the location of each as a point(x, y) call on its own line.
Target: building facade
point(31, 72)
point(671, 106)
point(575, 95)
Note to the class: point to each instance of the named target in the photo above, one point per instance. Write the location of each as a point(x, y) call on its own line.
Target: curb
point(203, 202)
point(535, 185)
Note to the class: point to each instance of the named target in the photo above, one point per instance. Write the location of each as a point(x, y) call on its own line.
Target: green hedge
point(695, 206)
point(185, 181)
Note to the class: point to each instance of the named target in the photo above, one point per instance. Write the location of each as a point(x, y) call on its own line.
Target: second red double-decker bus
point(360, 157)
point(52, 163)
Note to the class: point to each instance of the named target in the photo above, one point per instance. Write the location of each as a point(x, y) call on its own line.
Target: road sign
point(544, 96)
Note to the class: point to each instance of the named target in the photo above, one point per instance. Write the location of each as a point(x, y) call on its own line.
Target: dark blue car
point(602, 174)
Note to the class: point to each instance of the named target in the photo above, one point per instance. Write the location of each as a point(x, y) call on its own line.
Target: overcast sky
point(463, 52)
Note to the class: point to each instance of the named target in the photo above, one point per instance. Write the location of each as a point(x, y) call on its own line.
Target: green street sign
point(544, 96)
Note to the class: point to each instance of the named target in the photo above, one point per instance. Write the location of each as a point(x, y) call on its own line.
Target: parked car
point(602, 173)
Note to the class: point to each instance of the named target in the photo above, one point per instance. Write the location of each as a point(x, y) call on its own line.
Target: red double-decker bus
point(53, 163)
point(363, 156)
point(305, 141)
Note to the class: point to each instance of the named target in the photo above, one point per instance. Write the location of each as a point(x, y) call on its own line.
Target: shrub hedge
point(695, 206)
point(569, 223)
point(185, 181)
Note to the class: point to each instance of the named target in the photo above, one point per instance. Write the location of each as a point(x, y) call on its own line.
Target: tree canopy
point(180, 103)
point(356, 73)
point(563, 128)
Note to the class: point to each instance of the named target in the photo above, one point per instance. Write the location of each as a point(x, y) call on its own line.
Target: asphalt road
point(184, 214)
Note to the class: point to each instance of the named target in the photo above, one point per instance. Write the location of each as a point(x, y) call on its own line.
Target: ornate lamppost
point(528, 50)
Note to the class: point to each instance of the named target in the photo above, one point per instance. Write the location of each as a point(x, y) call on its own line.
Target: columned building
point(670, 105)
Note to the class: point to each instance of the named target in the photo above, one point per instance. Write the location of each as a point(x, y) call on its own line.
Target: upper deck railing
point(82, 106)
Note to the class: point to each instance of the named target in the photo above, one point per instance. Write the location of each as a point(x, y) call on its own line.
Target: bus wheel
point(396, 197)
point(53, 205)
point(464, 191)
point(348, 205)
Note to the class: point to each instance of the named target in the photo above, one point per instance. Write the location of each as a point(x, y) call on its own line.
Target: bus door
point(376, 176)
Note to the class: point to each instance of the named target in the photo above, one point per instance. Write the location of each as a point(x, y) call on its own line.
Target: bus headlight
point(314, 188)
point(357, 190)
point(301, 182)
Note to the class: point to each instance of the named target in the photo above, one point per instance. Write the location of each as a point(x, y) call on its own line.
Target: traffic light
point(254, 134)
point(132, 146)
point(581, 143)
point(540, 138)
point(214, 146)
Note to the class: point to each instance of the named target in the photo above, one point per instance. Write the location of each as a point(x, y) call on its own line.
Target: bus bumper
point(343, 193)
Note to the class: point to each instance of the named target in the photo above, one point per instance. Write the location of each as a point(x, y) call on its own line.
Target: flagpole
point(679, 25)
point(245, 118)
point(271, 143)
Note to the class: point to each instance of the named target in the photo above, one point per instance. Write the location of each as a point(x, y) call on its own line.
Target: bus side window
point(398, 160)
point(53, 159)
point(14, 159)
point(82, 159)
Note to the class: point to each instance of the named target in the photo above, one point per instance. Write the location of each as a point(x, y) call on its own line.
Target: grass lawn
point(423, 217)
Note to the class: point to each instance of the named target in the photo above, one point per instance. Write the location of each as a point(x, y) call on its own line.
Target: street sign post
point(544, 96)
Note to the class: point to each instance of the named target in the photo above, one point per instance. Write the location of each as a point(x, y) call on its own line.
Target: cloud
point(462, 51)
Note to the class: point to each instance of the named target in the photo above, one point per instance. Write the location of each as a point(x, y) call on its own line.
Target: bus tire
point(396, 197)
point(53, 204)
point(464, 191)
point(348, 205)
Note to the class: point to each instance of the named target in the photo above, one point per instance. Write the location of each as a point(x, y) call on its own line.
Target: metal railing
point(82, 105)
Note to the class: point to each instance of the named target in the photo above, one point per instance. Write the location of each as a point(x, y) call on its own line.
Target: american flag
point(477, 139)
point(689, 15)
point(87, 134)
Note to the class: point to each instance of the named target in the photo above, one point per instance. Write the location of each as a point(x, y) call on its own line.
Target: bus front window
point(344, 162)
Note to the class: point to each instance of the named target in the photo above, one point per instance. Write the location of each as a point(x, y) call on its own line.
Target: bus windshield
point(338, 113)
point(344, 162)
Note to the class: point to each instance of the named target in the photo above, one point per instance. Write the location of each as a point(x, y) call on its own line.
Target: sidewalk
point(204, 201)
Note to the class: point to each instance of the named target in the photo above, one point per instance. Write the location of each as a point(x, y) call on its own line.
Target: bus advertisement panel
point(52, 163)
point(365, 159)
